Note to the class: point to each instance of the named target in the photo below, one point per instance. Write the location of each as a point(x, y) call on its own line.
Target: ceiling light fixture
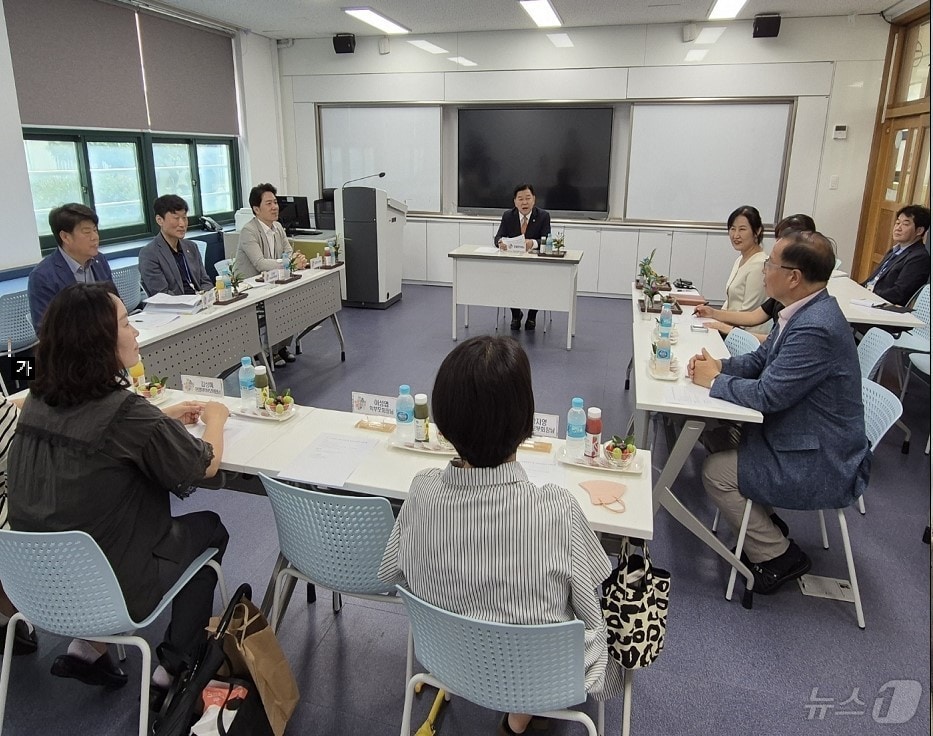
point(560, 40)
point(461, 60)
point(541, 13)
point(725, 9)
point(428, 46)
point(376, 20)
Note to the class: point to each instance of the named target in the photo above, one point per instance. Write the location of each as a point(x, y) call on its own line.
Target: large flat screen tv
point(563, 152)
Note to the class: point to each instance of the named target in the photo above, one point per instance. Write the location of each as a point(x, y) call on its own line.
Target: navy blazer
point(159, 269)
point(909, 271)
point(811, 451)
point(539, 225)
point(51, 276)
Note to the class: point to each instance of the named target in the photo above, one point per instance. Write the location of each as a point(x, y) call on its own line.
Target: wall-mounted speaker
point(766, 26)
point(344, 43)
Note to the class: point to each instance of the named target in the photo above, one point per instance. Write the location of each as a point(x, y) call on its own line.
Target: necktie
point(884, 265)
point(524, 223)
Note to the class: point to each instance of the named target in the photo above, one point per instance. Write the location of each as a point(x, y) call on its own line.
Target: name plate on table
point(383, 406)
point(316, 262)
point(545, 425)
point(203, 385)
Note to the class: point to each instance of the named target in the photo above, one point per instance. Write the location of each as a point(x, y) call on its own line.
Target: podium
point(372, 225)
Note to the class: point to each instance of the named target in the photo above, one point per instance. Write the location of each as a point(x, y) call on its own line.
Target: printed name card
point(203, 385)
point(545, 425)
point(317, 262)
point(208, 297)
point(373, 404)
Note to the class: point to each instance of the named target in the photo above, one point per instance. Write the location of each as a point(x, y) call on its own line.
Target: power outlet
point(834, 181)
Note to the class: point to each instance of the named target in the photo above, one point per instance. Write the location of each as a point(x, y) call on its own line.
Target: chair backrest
point(126, 279)
point(506, 667)
point(337, 541)
point(872, 349)
point(740, 342)
point(63, 583)
point(882, 410)
point(324, 216)
point(15, 323)
point(921, 305)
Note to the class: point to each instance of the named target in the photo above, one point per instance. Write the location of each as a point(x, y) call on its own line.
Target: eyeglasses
point(768, 264)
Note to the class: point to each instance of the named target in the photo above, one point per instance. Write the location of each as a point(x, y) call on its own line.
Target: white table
point(489, 277)
point(845, 290)
point(654, 395)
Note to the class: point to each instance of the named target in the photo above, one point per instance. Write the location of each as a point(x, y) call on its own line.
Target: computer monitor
point(294, 213)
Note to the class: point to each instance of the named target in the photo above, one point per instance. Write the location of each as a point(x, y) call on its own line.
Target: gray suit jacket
point(253, 251)
point(159, 271)
point(811, 451)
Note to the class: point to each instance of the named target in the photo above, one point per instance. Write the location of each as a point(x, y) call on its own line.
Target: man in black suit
point(906, 267)
point(534, 223)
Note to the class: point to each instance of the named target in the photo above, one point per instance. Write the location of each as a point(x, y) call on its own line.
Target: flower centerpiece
point(646, 273)
point(235, 278)
point(559, 242)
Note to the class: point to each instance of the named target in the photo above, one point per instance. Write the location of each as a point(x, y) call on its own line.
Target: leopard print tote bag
point(634, 601)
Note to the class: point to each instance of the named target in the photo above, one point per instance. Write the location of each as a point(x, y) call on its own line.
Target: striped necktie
point(524, 223)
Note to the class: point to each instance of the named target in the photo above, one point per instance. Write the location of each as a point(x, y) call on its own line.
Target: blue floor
point(724, 670)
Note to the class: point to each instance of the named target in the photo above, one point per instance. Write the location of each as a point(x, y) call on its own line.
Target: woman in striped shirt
point(477, 538)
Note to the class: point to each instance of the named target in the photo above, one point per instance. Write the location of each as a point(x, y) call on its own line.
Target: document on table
point(490, 249)
point(541, 468)
point(866, 302)
point(233, 429)
point(329, 460)
point(151, 320)
point(689, 394)
point(515, 245)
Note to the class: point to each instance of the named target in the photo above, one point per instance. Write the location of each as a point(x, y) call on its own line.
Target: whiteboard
point(697, 162)
point(405, 142)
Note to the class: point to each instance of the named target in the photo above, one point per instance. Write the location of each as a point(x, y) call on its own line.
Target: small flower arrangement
point(235, 278)
point(559, 242)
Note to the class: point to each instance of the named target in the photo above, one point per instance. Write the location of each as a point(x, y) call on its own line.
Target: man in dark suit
point(77, 258)
point(810, 452)
point(906, 267)
point(532, 222)
point(170, 264)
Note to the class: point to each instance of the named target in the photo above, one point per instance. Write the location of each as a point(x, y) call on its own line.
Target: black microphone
point(368, 176)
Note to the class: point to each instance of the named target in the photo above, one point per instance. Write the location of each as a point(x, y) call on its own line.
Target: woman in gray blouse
point(477, 538)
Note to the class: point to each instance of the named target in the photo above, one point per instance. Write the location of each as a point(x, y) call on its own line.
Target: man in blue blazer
point(532, 222)
point(810, 452)
point(77, 258)
point(906, 267)
point(169, 264)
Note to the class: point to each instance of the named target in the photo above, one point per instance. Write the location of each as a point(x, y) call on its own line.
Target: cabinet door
point(477, 233)
point(618, 250)
point(720, 255)
point(414, 251)
point(587, 240)
point(658, 241)
point(688, 258)
point(442, 237)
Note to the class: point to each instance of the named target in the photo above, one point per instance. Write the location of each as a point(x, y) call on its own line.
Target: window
point(120, 174)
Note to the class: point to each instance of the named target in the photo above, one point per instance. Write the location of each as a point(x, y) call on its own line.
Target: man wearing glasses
point(169, 264)
point(810, 452)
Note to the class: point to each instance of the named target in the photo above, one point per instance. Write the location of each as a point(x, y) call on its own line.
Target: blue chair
point(882, 410)
point(535, 669)
point(872, 350)
point(62, 583)
point(740, 342)
point(910, 343)
point(333, 541)
point(16, 328)
point(126, 279)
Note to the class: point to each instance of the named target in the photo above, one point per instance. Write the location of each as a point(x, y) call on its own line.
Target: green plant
point(645, 270)
point(235, 278)
point(559, 242)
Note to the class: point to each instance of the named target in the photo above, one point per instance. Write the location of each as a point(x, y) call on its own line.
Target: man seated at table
point(906, 267)
point(169, 264)
point(532, 222)
point(262, 244)
point(77, 258)
point(810, 452)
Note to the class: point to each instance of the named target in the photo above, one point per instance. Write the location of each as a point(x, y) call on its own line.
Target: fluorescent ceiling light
point(726, 9)
point(428, 46)
point(695, 55)
point(710, 35)
point(560, 40)
point(370, 16)
point(541, 13)
point(462, 61)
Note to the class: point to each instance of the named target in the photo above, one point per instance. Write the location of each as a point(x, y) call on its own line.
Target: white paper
point(185, 300)
point(516, 244)
point(233, 429)
point(329, 460)
point(486, 249)
point(865, 302)
point(690, 394)
point(372, 404)
point(151, 320)
point(838, 273)
point(542, 469)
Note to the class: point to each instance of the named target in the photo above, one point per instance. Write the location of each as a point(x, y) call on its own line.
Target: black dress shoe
point(103, 671)
point(516, 324)
point(286, 355)
point(530, 325)
point(24, 640)
point(772, 574)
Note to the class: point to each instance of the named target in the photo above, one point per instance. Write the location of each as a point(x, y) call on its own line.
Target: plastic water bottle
point(247, 376)
point(228, 287)
point(666, 323)
point(576, 429)
point(286, 265)
point(549, 243)
point(662, 357)
point(405, 415)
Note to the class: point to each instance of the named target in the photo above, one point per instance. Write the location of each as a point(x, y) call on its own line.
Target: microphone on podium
point(360, 178)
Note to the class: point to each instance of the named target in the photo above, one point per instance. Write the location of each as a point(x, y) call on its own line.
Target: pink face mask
point(606, 493)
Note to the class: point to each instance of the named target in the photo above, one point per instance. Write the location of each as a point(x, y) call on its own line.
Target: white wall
point(21, 238)
point(832, 66)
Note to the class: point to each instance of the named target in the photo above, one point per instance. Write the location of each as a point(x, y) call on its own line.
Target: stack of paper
point(184, 304)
